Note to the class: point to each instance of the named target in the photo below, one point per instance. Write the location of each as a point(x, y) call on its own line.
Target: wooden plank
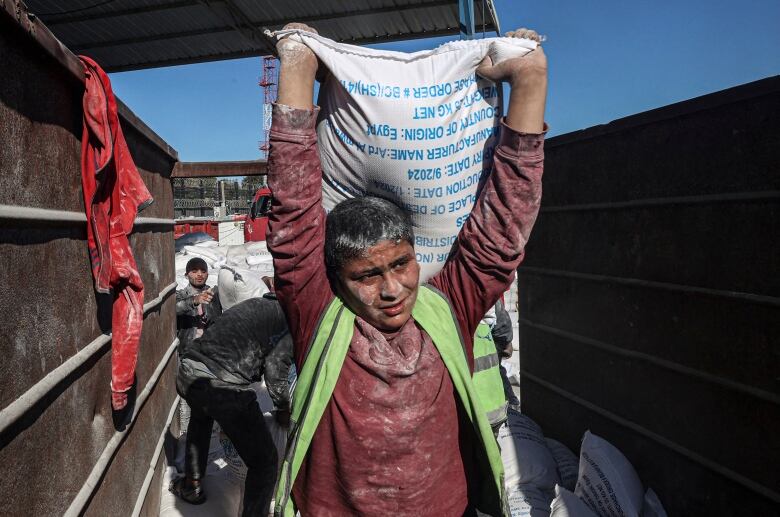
point(219, 169)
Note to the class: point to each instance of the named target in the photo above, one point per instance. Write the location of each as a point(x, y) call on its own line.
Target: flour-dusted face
point(381, 286)
point(198, 277)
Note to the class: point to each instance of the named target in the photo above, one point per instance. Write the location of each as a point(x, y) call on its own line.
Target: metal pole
point(222, 204)
point(466, 12)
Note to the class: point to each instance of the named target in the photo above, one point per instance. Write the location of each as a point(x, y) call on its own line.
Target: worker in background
point(197, 305)
point(492, 343)
point(502, 334)
point(386, 415)
point(248, 343)
point(501, 330)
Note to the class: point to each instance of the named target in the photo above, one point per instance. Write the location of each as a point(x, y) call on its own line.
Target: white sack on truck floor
point(524, 452)
point(566, 461)
point(607, 481)
point(411, 127)
point(566, 504)
point(607, 484)
point(528, 501)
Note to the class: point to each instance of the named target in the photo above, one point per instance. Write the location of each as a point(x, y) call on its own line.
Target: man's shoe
point(191, 493)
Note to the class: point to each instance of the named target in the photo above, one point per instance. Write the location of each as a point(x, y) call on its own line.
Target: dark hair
point(356, 224)
point(196, 263)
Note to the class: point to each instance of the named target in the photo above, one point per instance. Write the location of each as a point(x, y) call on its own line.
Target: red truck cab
point(256, 225)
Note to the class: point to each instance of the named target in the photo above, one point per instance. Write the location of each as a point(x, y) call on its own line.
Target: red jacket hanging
point(113, 195)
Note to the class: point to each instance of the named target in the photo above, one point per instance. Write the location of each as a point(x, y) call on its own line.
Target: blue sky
point(608, 59)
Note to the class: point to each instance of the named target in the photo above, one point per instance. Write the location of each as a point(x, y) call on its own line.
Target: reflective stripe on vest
point(321, 370)
point(487, 376)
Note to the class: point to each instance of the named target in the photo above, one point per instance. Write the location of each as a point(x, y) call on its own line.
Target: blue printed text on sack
point(372, 89)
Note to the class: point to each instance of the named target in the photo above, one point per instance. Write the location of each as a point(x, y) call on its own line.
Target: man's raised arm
point(491, 244)
point(297, 220)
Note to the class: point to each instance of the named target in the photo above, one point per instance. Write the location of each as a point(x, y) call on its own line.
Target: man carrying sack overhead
point(386, 419)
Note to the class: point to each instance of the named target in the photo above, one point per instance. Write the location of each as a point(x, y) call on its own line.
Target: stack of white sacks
point(237, 270)
point(545, 479)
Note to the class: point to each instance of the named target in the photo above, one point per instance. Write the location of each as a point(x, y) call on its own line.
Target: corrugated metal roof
point(134, 34)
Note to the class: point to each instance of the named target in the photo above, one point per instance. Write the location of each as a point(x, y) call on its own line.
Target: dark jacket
point(187, 318)
point(250, 341)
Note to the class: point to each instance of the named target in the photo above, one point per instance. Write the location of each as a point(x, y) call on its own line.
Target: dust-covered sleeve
point(491, 244)
point(297, 222)
point(185, 302)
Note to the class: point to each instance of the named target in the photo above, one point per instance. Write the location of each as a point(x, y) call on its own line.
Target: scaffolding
point(198, 197)
point(269, 83)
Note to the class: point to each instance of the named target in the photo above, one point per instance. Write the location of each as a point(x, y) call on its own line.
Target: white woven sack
point(235, 255)
point(567, 462)
point(208, 254)
point(180, 261)
point(256, 248)
point(411, 127)
point(566, 504)
point(181, 281)
point(527, 460)
point(239, 284)
point(528, 501)
point(607, 482)
point(260, 263)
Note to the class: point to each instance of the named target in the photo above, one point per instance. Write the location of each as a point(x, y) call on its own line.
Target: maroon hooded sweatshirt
point(393, 439)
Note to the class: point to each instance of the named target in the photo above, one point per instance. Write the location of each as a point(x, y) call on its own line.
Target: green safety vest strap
point(429, 312)
point(321, 370)
point(487, 376)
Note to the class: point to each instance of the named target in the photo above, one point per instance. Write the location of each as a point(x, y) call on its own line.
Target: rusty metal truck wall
point(57, 435)
point(649, 297)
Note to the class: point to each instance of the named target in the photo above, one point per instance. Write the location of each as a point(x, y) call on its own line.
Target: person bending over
point(385, 419)
point(248, 342)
